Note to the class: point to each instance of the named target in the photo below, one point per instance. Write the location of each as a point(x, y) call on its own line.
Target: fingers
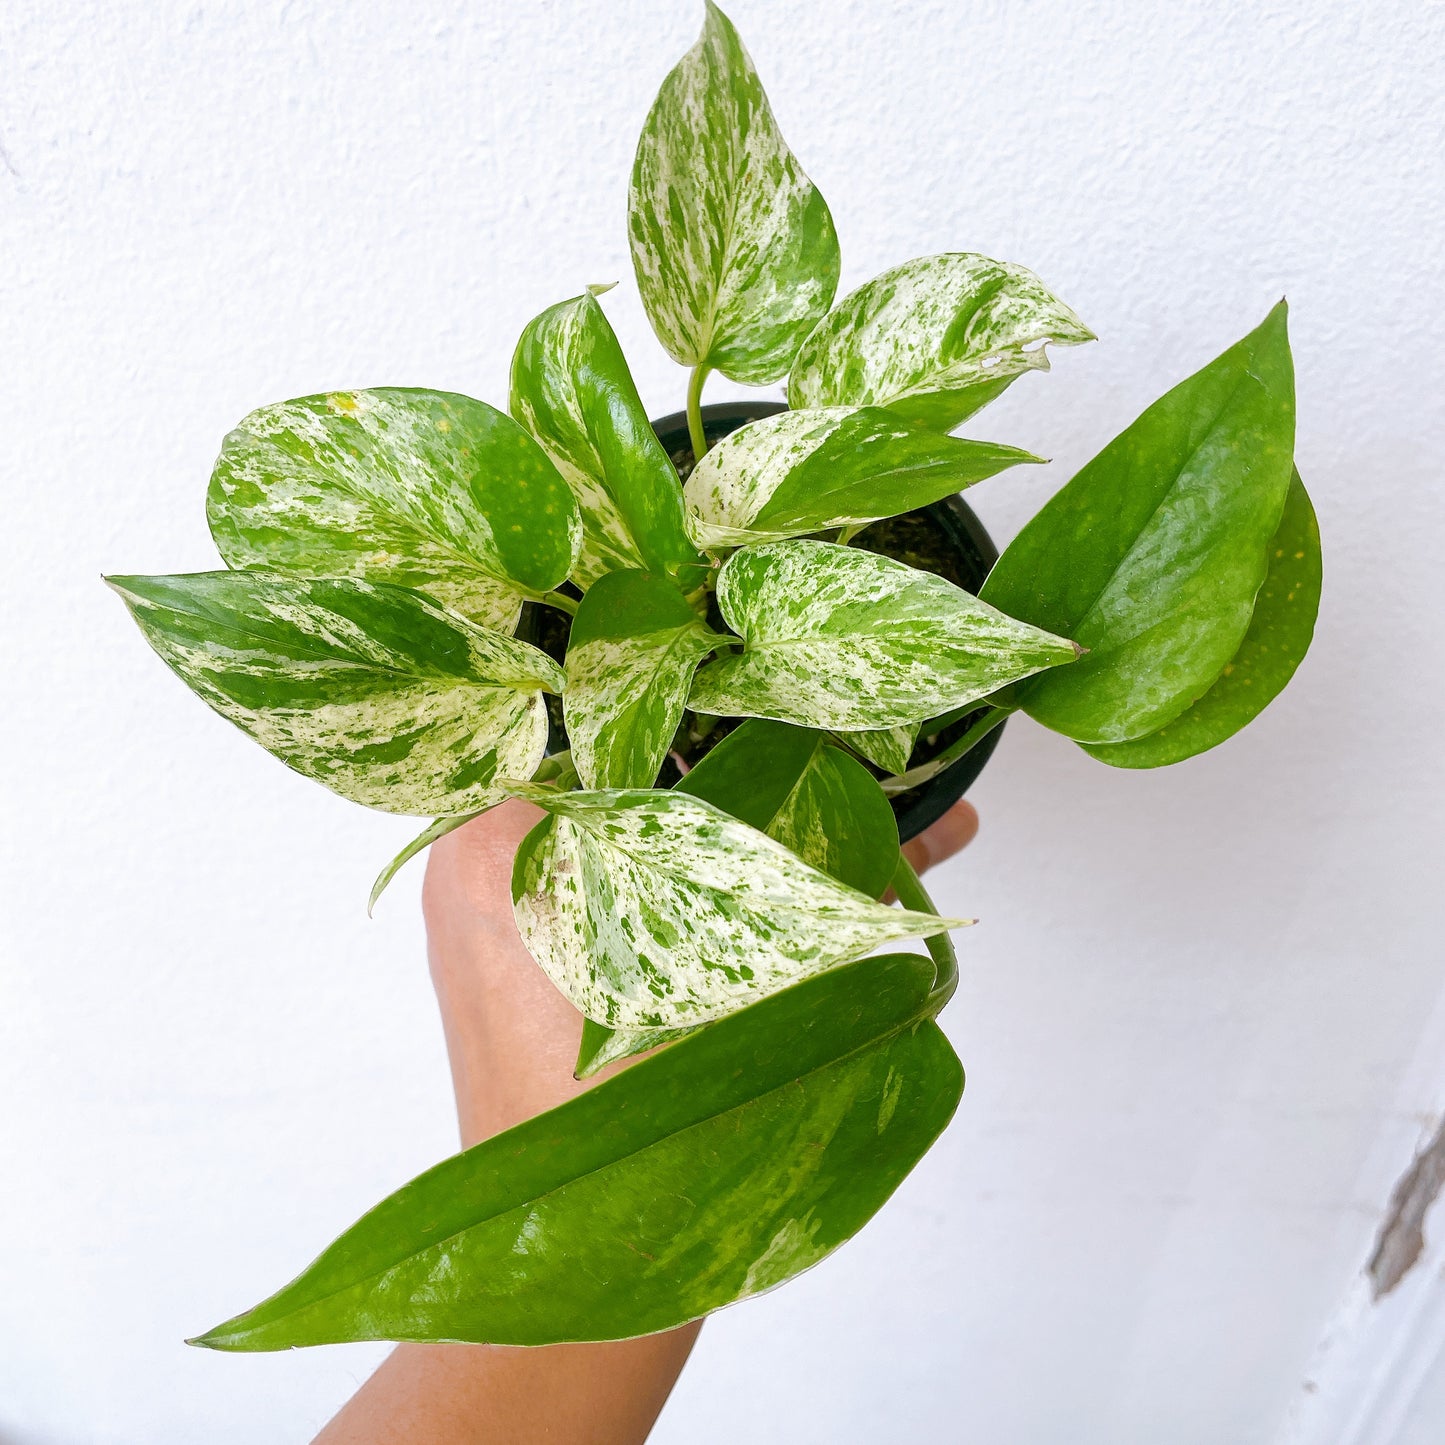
point(953, 832)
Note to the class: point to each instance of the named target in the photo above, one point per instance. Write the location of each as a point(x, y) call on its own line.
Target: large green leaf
point(797, 786)
point(713, 1171)
point(1278, 638)
point(734, 249)
point(572, 390)
point(1152, 555)
point(933, 340)
point(840, 638)
point(805, 471)
point(653, 909)
point(418, 488)
point(635, 643)
point(371, 689)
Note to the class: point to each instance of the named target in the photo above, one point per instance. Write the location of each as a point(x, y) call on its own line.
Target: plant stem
point(694, 411)
point(561, 601)
point(950, 755)
point(912, 894)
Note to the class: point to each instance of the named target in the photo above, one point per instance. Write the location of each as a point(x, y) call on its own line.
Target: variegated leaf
point(889, 748)
point(651, 909)
point(635, 643)
point(796, 785)
point(423, 489)
point(733, 246)
point(602, 1046)
point(373, 690)
point(806, 471)
point(572, 390)
point(843, 639)
point(933, 340)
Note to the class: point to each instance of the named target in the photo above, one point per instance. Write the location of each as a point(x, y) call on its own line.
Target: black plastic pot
point(946, 538)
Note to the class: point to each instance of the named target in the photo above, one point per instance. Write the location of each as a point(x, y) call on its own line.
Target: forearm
point(512, 1041)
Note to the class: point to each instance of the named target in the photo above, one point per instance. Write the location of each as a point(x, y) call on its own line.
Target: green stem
point(561, 601)
point(694, 411)
point(950, 755)
point(912, 894)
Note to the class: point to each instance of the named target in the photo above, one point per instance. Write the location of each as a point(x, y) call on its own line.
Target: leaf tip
point(600, 288)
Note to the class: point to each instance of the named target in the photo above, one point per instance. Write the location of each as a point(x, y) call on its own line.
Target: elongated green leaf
point(713, 1171)
point(602, 1046)
point(572, 390)
point(840, 638)
point(418, 488)
point(635, 644)
point(805, 471)
point(1152, 555)
point(652, 909)
point(796, 786)
point(734, 249)
point(373, 690)
point(889, 748)
point(933, 340)
point(437, 828)
point(1278, 638)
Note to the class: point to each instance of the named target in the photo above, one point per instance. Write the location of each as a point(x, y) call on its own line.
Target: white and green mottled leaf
point(653, 909)
point(733, 246)
point(422, 489)
point(805, 471)
point(1153, 554)
point(572, 390)
point(635, 643)
point(843, 639)
point(889, 748)
point(933, 339)
point(1279, 635)
point(373, 690)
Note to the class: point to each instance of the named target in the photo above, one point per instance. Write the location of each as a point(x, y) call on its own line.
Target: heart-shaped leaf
point(421, 489)
point(652, 909)
point(734, 249)
point(933, 340)
point(373, 690)
point(839, 638)
point(1278, 637)
point(806, 471)
point(713, 1171)
point(1152, 555)
point(572, 390)
point(797, 786)
point(635, 643)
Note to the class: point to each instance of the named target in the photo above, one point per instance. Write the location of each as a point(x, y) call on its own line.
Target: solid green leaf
point(713, 1171)
point(840, 638)
point(734, 249)
point(797, 786)
point(373, 690)
point(437, 828)
point(1278, 637)
point(602, 1046)
point(653, 909)
point(635, 643)
point(933, 340)
point(888, 748)
point(572, 390)
point(806, 471)
point(1152, 555)
point(421, 489)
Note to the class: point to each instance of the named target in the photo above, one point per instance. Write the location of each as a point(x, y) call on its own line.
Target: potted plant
point(752, 642)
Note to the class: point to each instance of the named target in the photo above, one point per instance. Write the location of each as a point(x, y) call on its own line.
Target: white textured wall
point(1195, 993)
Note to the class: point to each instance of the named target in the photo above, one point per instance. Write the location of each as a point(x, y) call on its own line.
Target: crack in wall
point(1401, 1239)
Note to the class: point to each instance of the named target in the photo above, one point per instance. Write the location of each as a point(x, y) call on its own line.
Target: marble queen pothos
point(379, 546)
